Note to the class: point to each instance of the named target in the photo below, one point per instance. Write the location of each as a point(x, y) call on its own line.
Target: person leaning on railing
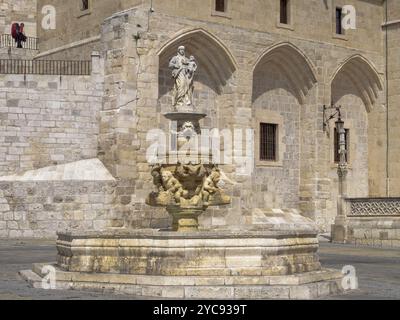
point(17, 32)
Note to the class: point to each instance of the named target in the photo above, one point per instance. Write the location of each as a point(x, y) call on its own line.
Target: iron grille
point(268, 142)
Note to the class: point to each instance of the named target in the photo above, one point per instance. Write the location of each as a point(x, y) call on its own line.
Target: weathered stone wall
point(74, 25)
point(18, 11)
point(40, 209)
point(17, 53)
point(376, 232)
point(277, 186)
point(47, 120)
point(75, 51)
point(37, 204)
point(393, 34)
point(373, 222)
point(310, 19)
point(52, 120)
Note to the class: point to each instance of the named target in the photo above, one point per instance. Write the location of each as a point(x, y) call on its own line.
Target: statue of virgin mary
point(183, 70)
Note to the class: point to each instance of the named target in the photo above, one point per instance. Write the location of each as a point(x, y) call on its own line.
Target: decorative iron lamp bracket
point(330, 113)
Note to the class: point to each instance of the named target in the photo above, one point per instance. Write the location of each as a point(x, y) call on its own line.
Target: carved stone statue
point(192, 68)
point(183, 71)
point(157, 178)
point(173, 186)
point(188, 130)
point(210, 186)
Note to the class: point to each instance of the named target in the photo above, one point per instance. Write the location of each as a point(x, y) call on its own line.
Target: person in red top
point(17, 32)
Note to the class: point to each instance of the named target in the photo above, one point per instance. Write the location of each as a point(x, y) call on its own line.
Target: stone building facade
point(252, 69)
point(18, 11)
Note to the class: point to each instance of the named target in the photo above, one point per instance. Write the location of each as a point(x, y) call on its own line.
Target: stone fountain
point(273, 256)
point(188, 183)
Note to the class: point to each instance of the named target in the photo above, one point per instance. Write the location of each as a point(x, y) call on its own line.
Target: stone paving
point(378, 271)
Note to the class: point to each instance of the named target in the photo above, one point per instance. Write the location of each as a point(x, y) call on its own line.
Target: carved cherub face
point(188, 130)
point(215, 176)
point(188, 126)
point(166, 175)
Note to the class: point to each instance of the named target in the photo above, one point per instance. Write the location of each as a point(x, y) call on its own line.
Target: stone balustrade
point(369, 221)
point(369, 207)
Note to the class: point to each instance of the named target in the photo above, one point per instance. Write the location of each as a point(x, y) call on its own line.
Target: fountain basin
point(207, 264)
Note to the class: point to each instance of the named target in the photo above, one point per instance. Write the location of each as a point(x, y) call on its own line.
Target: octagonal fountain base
point(240, 264)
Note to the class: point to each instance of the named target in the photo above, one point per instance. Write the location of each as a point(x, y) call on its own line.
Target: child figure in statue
point(191, 70)
point(210, 186)
point(173, 186)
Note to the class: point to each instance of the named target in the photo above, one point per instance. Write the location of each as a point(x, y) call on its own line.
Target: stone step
point(322, 283)
point(32, 278)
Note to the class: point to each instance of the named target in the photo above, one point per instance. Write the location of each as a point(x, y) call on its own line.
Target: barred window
point(337, 145)
point(268, 142)
point(84, 5)
point(220, 5)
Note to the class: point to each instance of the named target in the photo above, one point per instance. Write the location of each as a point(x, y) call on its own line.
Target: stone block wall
point(74, 196)
point(17, 53)
point(375, 231)
point(40, 209)
point(310, 19)
point(18, 11)
point(73, 51)
point(49, 125)
point(393, 54)
point(73, 24)
point(47, 120)
point(369, 222)
point(277, 185)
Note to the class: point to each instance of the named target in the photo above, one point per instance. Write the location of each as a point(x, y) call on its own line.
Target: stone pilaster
point(393, 36)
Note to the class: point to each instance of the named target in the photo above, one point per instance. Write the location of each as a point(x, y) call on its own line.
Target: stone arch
point(283, 78)
point(213, 56)
point(363, 75)
point(356, 86)
point(297, 69)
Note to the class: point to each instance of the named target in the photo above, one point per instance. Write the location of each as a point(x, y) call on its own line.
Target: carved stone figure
point(183, 70)
point(188, 130)
point(210, 186)
point(173, 186)
point(157, 178)
point(192, 68)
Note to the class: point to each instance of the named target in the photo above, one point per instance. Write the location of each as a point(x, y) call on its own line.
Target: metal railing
point(7, 41)
point(46, 67)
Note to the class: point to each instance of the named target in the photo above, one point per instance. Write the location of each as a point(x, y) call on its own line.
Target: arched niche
point(216, 66)
point(363, 77)
point(282, 79)
point(295, 69)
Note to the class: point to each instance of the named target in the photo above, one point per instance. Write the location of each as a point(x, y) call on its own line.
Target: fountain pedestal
point(185, 219)
point(276, 259)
